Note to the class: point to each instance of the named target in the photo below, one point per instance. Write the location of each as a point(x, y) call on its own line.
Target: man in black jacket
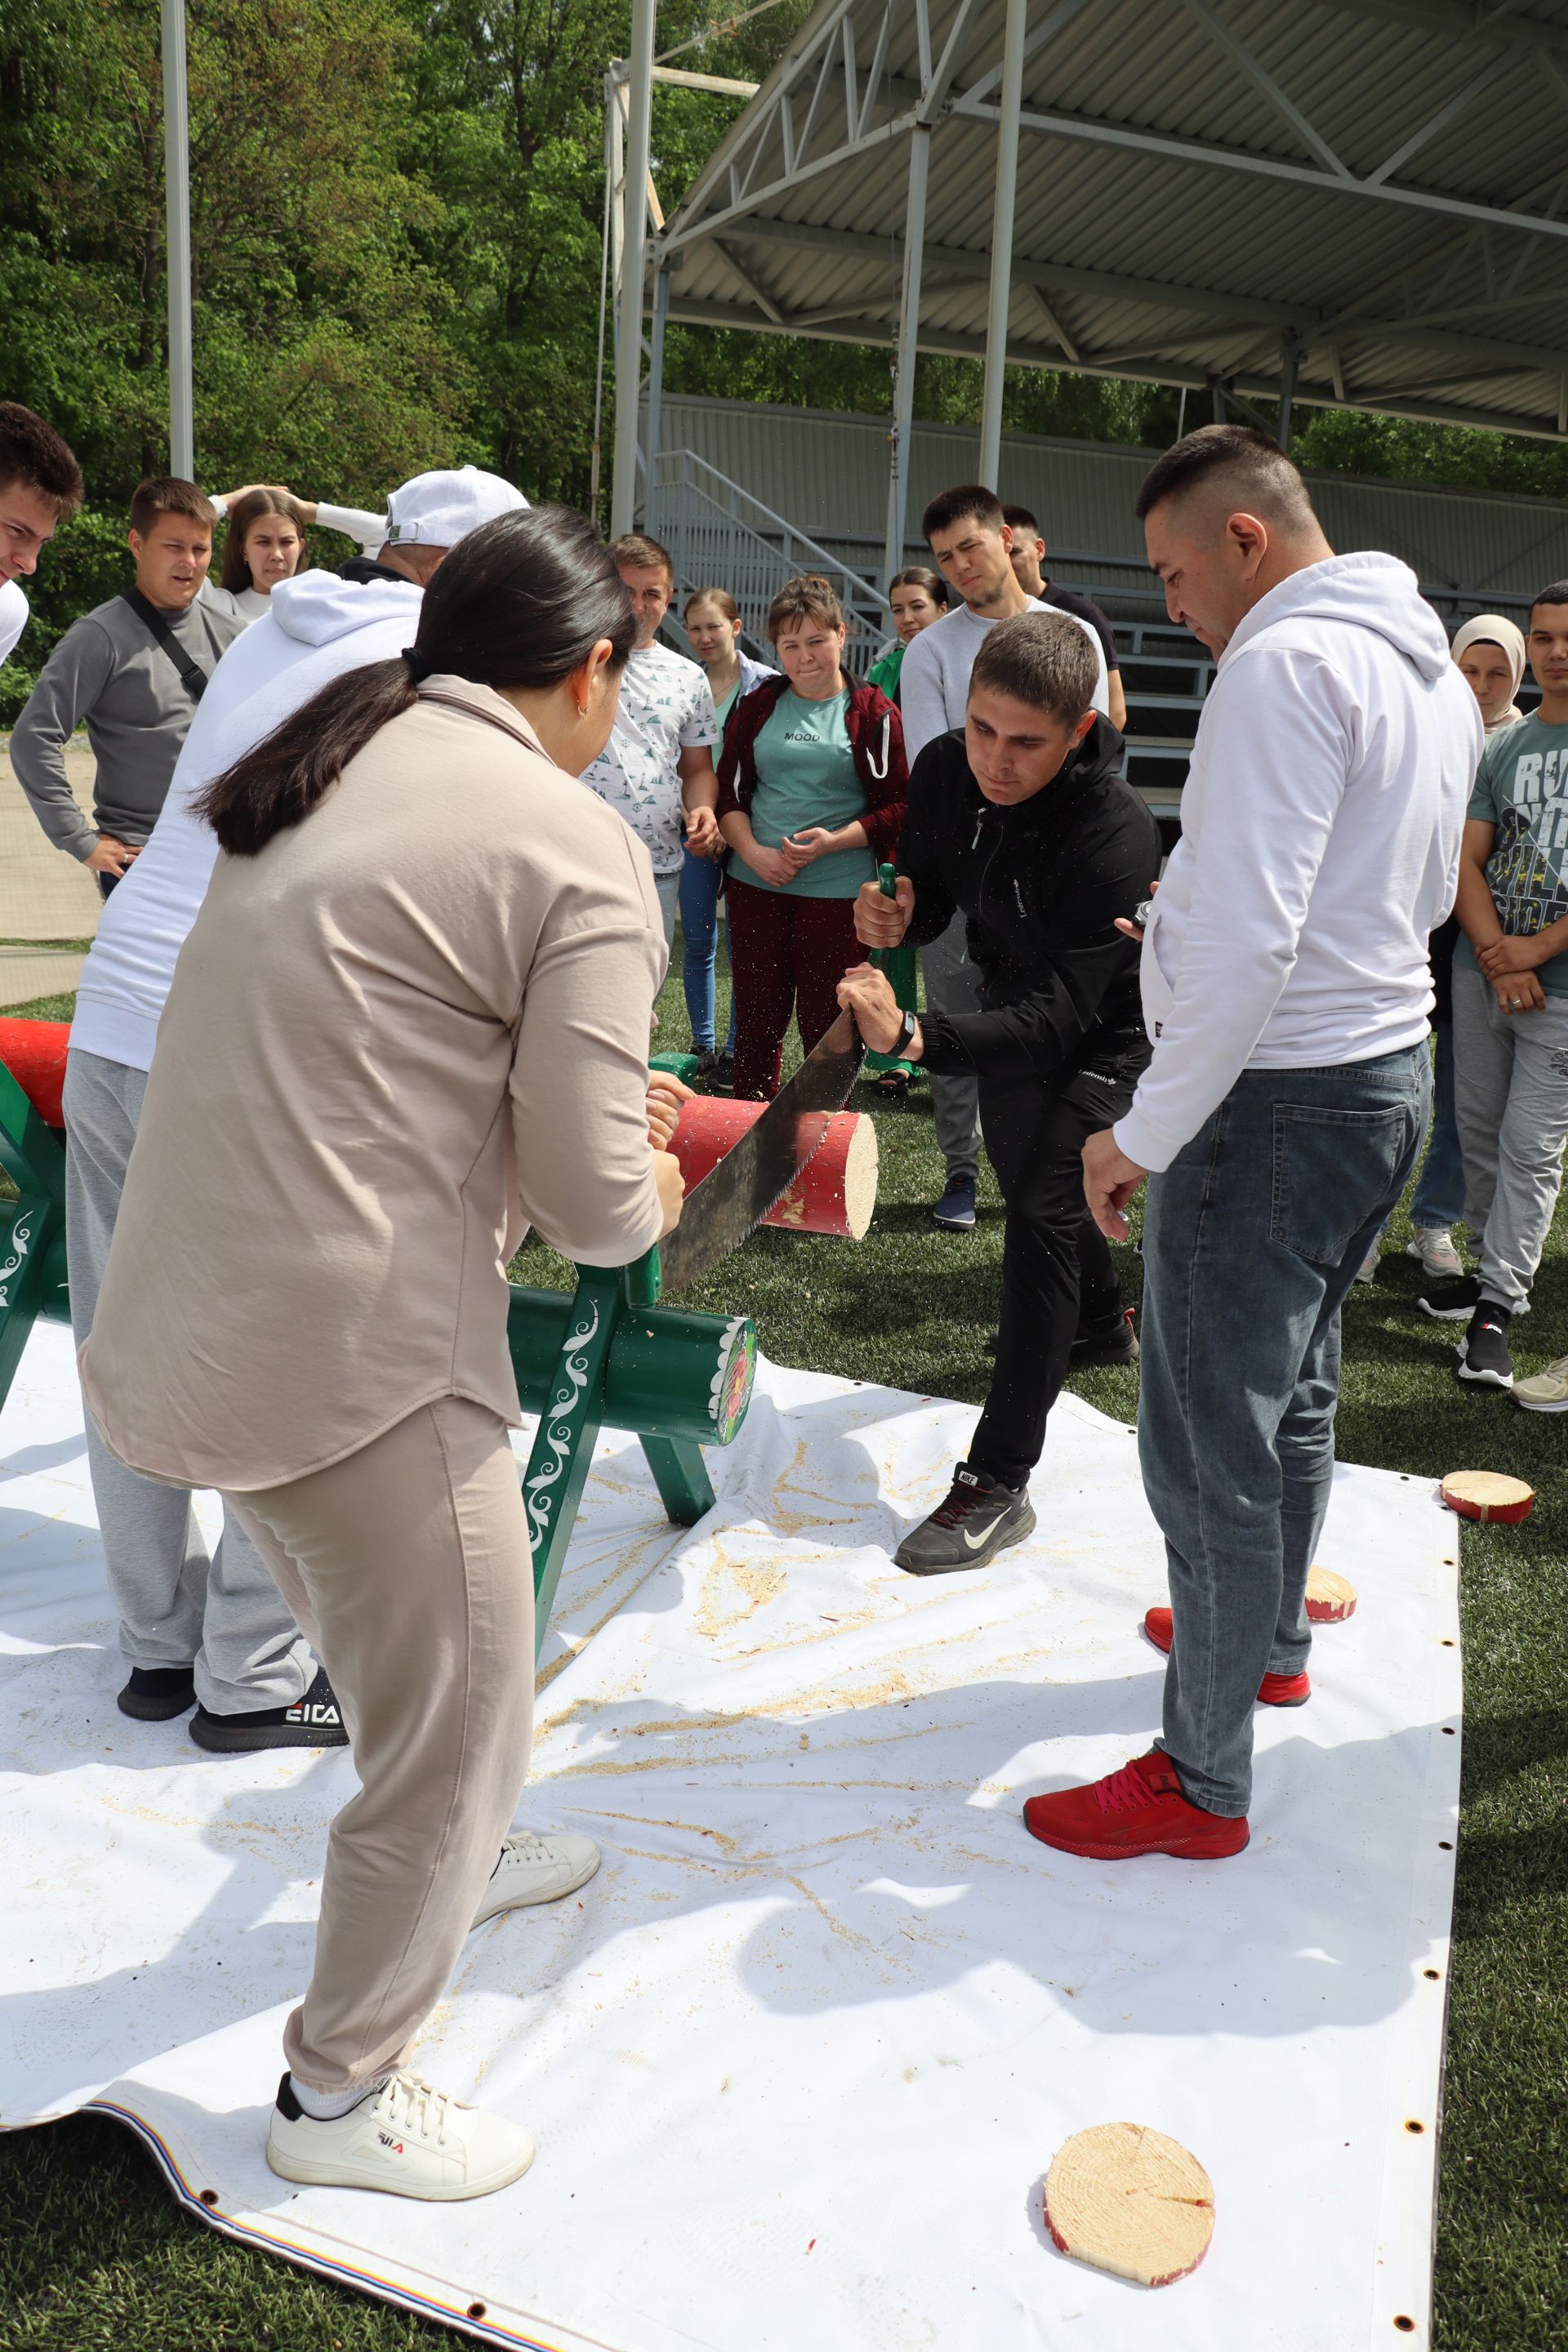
point(1022, 824)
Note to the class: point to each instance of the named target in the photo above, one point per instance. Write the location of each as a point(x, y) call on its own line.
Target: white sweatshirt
point(1320, 846)
point(933, 685)
point(317, 627)
point(13, 617)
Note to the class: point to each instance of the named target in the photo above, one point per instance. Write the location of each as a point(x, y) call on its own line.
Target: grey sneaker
point(979, 1517)
point(1433, 1245)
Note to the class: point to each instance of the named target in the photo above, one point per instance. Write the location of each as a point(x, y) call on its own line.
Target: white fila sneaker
point(408, 2139)
point(534, 1869)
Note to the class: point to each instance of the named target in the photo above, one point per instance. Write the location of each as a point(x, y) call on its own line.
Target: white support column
point(634, 251)
point(656, 393)
point(1012, 96)
point(908, 348)
point(1290, 360)
point(177, 215)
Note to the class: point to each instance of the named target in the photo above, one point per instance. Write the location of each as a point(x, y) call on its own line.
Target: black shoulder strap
point(193, 677)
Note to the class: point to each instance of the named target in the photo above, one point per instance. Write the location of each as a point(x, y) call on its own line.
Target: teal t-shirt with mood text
point(805, 776)
point(1522, 789)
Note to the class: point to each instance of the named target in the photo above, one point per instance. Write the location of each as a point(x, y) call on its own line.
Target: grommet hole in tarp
point(476, 2311)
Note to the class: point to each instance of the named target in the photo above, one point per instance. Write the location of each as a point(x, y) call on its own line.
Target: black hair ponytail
point(522, 602)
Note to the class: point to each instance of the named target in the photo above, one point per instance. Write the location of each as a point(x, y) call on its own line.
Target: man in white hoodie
point(217, 1632)
point(1287, 989)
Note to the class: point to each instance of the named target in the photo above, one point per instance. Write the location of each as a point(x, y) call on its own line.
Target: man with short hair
point(972, 548)
point(1510, 1007)
point(656, 769)
point(1028, 560)
point(1020, 828)
point(40, 487)
point(1286, 988)
point(215, 1632)
point(134, 668)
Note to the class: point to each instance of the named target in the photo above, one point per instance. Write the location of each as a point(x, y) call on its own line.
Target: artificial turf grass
point(92, 2251)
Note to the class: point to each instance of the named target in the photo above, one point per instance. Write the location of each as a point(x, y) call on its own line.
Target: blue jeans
point(1251, 1241)
point(699, 881)
point(1440, 1188)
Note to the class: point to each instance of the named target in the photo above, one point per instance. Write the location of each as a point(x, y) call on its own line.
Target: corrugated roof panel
point(1343, 264)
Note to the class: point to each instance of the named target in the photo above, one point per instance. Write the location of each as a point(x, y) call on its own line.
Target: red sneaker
point(1140, 1810)
point(1273, 1690)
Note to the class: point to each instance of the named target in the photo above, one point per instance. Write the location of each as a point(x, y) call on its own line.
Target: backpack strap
point(193, 677)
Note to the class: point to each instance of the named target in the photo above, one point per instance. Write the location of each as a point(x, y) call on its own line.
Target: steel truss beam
point(1227, 310)
point(948, 344)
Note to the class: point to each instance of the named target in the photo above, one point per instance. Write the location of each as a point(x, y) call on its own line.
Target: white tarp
point(798, 2059)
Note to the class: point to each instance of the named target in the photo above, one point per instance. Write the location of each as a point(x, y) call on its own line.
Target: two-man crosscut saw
point(736, 1195)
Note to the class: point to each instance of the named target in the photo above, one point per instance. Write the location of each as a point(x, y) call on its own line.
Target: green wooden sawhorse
point(606, 1356)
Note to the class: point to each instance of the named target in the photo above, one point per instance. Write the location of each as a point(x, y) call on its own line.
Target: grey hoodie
point(110, 671)
point(1320, 846)
point(317, 627)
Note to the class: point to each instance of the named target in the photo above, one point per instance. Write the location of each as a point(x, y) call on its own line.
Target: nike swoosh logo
point(974, 1542)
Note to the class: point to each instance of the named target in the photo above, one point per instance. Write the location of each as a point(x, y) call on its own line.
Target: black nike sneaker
point(979, 1517)
point(1110, 1341)
point(314, 1721)
point(1452, 1302)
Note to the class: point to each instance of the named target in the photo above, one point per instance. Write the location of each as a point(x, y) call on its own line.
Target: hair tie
point(419, 664)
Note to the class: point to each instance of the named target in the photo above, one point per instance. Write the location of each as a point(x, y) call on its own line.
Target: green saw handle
point(888, 883)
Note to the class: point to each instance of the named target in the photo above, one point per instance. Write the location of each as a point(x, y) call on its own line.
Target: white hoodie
point(317, 627)
point(1319, 846)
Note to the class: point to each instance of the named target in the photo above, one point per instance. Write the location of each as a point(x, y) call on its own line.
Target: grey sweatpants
point(1511, 1097)
point(953, 985)
point(175, 1605)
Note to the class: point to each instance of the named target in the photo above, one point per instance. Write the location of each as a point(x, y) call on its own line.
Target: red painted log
point(34, 1053)
point(835, 1193)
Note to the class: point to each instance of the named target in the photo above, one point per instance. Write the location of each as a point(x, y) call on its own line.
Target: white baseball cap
point(438, 509)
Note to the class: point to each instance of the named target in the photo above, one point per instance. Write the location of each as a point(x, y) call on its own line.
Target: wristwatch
point(906, 1034)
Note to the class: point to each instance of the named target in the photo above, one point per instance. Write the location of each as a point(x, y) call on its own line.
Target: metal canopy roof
point(1358, 202)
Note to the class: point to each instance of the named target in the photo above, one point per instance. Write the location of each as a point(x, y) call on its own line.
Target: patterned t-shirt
point(1522, 789)
point(666, 708)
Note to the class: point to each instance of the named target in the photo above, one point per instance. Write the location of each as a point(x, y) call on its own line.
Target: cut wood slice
point(1330, 1599)
point(1488, 1495)
point(1126, 2200)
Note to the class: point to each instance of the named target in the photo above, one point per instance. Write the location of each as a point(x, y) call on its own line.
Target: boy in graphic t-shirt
point(656, 769)
point(1510, 1005)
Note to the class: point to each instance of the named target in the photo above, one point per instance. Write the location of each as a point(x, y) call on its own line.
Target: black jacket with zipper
point(1041, 885)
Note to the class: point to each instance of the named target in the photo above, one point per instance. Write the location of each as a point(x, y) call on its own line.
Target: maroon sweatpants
point(786, 954)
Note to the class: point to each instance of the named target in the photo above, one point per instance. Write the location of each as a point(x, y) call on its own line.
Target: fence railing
point(720, 536)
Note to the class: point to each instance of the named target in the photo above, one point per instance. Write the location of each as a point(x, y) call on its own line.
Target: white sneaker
point(408, 2139)
point(534, 1869)
point(1433, 1245)
point(1367, 1270)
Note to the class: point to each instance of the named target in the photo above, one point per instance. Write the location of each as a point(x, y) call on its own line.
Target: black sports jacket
point(1041, 885)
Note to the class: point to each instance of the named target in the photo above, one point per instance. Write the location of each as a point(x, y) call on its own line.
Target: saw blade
point(735, 1196)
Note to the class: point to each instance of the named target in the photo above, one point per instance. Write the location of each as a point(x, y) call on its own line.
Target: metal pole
point(603, 288)
point(655, 395)
point(1216, 394)
point(1289, 357)
point(1012, 99)
point(177, 205)
point(634, 250)
point(908, 349)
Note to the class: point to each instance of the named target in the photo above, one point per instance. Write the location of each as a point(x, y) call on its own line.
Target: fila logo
point(316, 1712)
point(387, 2141)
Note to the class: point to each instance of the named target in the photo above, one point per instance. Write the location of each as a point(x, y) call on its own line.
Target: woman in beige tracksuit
point(410, 1019)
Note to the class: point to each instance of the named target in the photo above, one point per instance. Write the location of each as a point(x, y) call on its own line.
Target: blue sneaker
point(955, 1210)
